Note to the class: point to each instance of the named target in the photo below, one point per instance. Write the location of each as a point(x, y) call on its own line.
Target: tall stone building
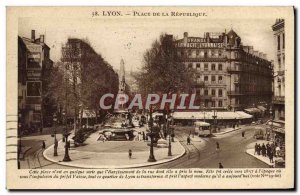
point(228, 74)
point(279, 69)
point(34, 64)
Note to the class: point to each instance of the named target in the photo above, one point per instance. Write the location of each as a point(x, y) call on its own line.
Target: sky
point(125, 38)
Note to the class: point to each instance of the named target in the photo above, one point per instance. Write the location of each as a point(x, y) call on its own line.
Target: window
point(220, 67)
point(206, 78)
point(198, 65)
point(213, 104)
point(220, 92)
point(283, 41)
point(197, 52)
point(205, 66)
point(206, 92)
point(213, 79)
point(205, 54)
point(220, 78)
point(190, 52)
point(279, 62)
point(182, 53)
point(213, 67)
point(213, 92)
point(212, 53)
point(278, 42)
point(220, 104)
point(198, 76)
point(220, 53)
point(206, 103)
point(190, 65)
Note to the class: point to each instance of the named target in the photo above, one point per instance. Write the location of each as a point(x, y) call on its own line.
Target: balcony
point(236, 81)
point(234, 70)
point(278, 100)
point(199, 84)
point(206, 97)
point(234, 93)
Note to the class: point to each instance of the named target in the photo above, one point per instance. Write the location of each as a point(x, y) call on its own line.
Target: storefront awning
point(279, 130)
point(210, 115)
point(253, 110)
point(262, 108)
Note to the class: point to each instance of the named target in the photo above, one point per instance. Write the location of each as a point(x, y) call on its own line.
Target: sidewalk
point(113, 154)
point(262, 158)
point(250, 151)
point(227, 130)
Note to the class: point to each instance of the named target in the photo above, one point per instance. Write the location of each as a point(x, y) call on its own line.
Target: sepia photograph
point(162, 89)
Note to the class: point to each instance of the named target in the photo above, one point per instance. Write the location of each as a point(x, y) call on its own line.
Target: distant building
point(228, 74)
point(33, 65)
point(279, 74)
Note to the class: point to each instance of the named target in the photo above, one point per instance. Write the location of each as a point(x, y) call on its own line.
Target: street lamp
point(215, 119)
point(151, 134)
point(55, 140)
point(169, 131)
point(66, 134)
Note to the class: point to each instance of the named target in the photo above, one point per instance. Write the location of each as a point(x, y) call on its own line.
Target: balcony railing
point(234, 93)
point(199, 84)
point(278, 100)
point(231, 69)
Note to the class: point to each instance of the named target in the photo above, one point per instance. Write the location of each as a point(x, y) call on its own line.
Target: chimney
point(185, 37)
point(32, 35)
point(42, 38)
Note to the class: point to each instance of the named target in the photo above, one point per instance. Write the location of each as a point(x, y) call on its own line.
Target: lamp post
point(66, 134)
point(169, 131)
point(55, 140)
point(215, 121)
point(151, 134)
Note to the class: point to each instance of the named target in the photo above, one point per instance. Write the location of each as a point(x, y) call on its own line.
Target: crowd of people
point(267, 150)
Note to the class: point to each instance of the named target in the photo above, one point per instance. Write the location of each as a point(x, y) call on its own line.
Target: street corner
point(112, 157)
point(260, 157)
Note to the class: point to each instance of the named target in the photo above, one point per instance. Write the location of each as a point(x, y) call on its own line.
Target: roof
point(252, 110)
point(200, 123)
point(209, 115)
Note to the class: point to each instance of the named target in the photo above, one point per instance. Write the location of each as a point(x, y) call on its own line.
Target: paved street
point(33, 158)
point(231, 155)
point(201, 154)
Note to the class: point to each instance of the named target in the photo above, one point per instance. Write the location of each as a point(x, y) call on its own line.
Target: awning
point(279, 130)
point(202, 124)
point(209, 115)
point(262, 108)
point(253, 110)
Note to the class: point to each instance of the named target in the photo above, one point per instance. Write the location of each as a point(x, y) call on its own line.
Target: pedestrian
point(44, 145)
point(277, 150)
point(256, 149)
point(188, 140)
point(129, 153)
point(243, 133)
point(271, 157)
point(220, 166)
point(217, 146)
point(263, 150)
point(144, 136)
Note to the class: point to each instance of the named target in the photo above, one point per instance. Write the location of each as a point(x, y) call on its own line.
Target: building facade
point(228, 75)
point(33, 65)
point(279, 67)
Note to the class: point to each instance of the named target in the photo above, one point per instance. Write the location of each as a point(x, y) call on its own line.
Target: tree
point(81, 78)
point(161, 71)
